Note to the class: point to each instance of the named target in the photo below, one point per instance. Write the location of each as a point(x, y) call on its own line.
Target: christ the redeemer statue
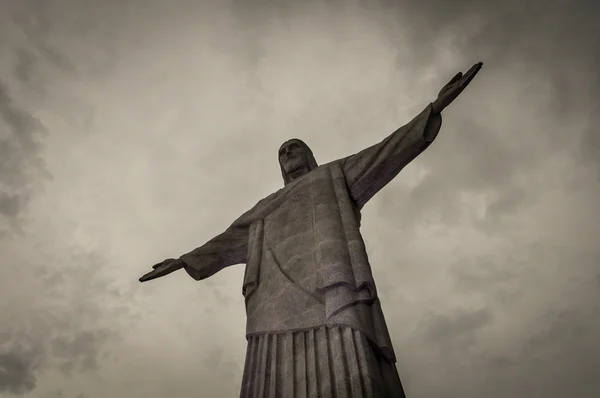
point(314, 322)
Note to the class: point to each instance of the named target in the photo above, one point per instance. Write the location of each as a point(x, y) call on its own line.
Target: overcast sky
point(132, 131)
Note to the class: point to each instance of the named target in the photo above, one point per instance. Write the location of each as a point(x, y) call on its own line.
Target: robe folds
point(315, 327)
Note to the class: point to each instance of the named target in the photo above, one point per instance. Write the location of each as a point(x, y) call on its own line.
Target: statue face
point(293, 157)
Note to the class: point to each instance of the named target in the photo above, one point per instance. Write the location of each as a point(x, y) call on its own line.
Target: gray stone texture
point(308, 274)
point(315, 327)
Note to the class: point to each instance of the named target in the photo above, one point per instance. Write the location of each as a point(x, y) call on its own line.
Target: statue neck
point(298, 173)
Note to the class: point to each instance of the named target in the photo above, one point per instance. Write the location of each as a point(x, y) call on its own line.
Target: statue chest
point(310, 214)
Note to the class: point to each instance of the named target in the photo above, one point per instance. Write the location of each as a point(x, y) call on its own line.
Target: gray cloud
point(590, 143)
point(159, 124)
point(34, 20)
point(61, 394)
point(51, 318)
point(25, 66)
point(20, 159)
point(462, 326)
point(64, 327)
point(20, 166)
point(17, 373)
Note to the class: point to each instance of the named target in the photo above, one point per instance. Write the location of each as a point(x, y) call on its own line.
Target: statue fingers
point(474, 69)
point(455, 78)
point(164, 262)
point(149, 276)
point(452, 81)
point(164, 269)
point(471, 74)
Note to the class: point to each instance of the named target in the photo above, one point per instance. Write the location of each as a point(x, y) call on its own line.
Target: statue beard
point(298, 172)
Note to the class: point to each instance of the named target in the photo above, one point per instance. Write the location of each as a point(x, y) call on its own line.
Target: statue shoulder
point(259, 210)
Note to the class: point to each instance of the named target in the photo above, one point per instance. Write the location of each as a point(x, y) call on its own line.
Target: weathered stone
point(314, 322)
point(307, 271)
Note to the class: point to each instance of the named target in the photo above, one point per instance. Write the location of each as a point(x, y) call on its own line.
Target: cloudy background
point(133, 130)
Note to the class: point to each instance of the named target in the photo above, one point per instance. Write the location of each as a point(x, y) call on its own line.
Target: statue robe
point(315, 327)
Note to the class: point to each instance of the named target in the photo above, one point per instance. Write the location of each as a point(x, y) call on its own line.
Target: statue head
point(295, 159)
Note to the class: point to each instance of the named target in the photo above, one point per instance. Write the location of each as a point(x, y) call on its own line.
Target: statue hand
point(454, 87)
point(163, 268)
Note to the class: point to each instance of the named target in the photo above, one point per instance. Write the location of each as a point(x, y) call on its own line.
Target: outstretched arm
point(223, 250)
point(370, 170)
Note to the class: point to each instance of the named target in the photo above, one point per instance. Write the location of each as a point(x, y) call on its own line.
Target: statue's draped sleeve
point(231, 247)
point(369, 170)
point(223, 250)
